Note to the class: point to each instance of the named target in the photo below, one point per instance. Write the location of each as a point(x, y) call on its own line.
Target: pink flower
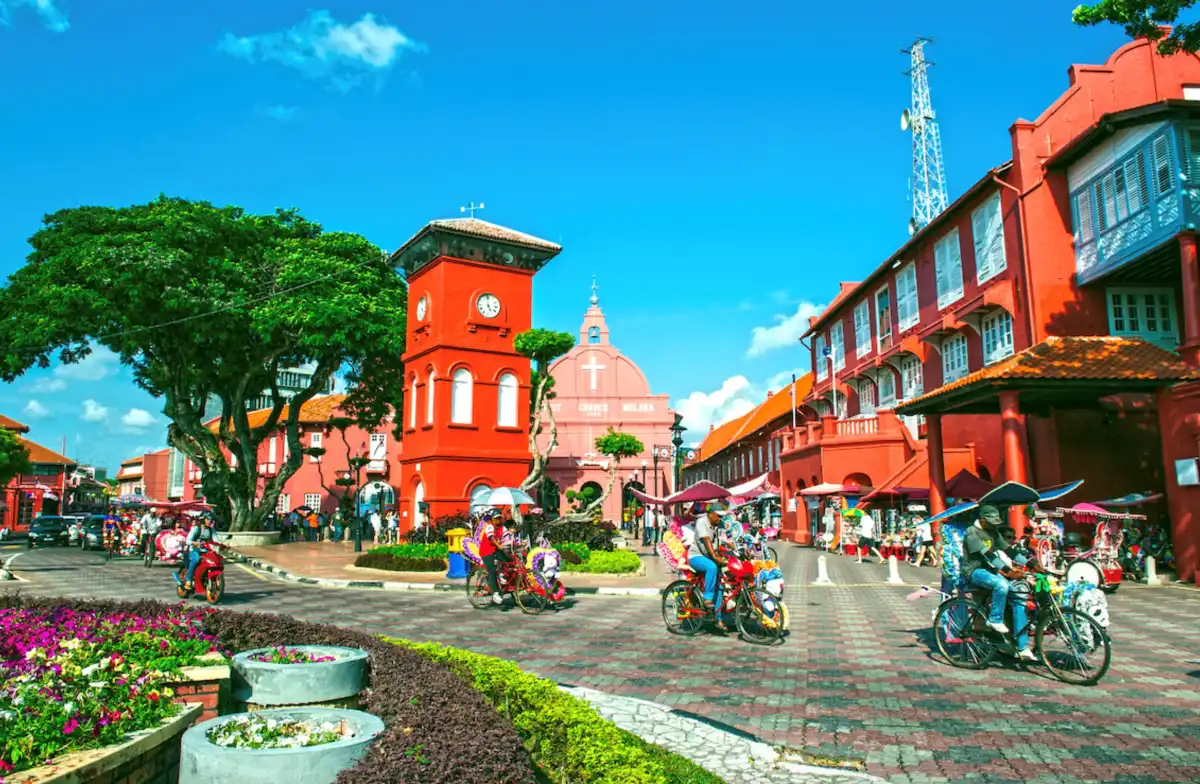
point(70, 726)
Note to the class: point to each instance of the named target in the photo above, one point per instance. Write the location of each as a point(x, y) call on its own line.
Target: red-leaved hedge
point(438, 728)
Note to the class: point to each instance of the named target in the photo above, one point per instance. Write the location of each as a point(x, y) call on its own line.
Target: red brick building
point(1087, 231)
point(39, 492)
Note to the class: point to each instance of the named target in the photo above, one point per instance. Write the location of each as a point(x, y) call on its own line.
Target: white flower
point(69, 707)
point(89, 670)
point(271, 724)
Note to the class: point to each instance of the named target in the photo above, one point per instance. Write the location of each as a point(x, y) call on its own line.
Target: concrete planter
point(248, 538)
point(203, 762)
point(262, 683)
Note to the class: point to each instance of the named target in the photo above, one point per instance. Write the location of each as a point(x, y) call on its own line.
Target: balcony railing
point(864, 426)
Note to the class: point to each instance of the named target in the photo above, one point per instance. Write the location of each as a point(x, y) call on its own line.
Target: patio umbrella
point(826, 488)
point(508, 496)
point(964, 484)
point(701, 491)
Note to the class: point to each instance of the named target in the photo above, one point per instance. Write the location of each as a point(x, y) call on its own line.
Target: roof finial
point(595, 299)
point(471, 208)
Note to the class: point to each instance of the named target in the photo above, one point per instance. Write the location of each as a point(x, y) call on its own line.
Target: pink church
point(596, 386)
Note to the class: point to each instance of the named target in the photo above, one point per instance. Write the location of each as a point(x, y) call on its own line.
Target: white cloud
point(94, 412)
point(278, 112)
point(35, 410)
point(786, 331)
point(700, 410)
point(44, 385)
point(322, 48)
point(138, 419)
point(52, 17)
point(99, 364)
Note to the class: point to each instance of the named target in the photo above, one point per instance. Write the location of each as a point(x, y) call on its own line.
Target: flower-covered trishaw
point(1085, 541)
point(531, 576)
point(1067, 622)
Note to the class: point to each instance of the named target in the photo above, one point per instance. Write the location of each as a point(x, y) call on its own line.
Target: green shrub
point(397, 563)
point(431, 550)
point(568, 740)
point(580, 549)
point(616, 562)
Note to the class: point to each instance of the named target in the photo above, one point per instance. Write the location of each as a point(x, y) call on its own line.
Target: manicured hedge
point(397, 563)
point(439, 729)
point(616, 562)
point(415, 550)
point(568, 739)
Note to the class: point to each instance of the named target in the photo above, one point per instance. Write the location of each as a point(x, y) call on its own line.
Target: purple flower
point(70, 726)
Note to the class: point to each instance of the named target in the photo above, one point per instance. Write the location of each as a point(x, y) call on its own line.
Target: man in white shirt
point(376, 523)
point(866, 537)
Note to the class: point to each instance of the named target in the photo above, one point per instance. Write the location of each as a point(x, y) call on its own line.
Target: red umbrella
point(703, 490)
point(964, 484)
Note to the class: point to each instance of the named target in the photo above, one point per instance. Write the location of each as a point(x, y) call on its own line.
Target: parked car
point(48, 530)
point(92, 533)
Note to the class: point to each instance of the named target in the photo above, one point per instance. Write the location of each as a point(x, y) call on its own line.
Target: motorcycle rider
point(201, 533)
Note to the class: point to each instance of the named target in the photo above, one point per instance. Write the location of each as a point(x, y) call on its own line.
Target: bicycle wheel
point(479, 593)
point(960, 630)
point(760, 616)
point(683, 609)
point(528, 599)
point(215, 589)
point(772, 555)
point(1074, 647)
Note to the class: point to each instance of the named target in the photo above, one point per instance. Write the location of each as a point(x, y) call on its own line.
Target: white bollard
point(894, 571)
point(1152, 578)
point(822, 573)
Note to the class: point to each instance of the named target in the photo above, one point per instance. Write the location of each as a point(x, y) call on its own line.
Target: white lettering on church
point(639, 407)
point(593, 368)
point(593, 409)
point(556, 407)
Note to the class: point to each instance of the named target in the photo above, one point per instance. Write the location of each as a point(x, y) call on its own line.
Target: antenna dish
point(912, 226)
point(905, 120)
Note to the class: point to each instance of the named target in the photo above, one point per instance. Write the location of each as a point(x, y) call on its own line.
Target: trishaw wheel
point(960, 628)
point(1110, 587)
point(683, 608)
point(1073, 645)
point(215, 589)
point(1085, 571)
point(760, 616)
point(529, 600)
point(478, 592)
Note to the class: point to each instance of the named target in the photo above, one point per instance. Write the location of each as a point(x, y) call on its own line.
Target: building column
point(937, 463)
point(1190, 348)
point(1012, 429)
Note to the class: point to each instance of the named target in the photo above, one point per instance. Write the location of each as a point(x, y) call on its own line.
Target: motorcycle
point(209, 578)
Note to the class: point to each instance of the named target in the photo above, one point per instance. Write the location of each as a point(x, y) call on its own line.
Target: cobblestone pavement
point(855, 680)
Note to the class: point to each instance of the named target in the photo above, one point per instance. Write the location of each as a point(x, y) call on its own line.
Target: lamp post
point(677, 441)
point(356, 465)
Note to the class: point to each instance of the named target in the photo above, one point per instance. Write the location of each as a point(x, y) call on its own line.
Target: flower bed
point(284, 655)
point(600, 562)
point(266, 732)
point(79, 679)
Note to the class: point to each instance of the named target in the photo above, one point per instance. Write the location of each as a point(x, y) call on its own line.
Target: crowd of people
point(305, 524)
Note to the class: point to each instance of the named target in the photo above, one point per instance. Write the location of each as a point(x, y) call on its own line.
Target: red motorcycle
point(209, 578)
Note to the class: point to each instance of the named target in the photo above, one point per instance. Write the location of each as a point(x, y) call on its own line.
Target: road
point(854, 680)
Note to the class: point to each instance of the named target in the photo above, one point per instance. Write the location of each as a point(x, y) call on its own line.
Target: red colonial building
point(1045, 326)
point(39, 492)
point(309, 485)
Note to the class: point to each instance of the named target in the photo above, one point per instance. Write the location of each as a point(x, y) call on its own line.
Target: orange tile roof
point(318, 409)
point(766, 412)
point(845, 289)
point(718, 438)
point(8, 423)
point(131, 461)
point(40, 454)
point(1075, 359)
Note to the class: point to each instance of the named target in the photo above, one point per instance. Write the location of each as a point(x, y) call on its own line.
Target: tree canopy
point(1146, 19)
point(14, 457)
point(208, 302)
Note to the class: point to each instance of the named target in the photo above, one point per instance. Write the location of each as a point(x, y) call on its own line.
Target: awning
point(1130, 500)
point(646, 498)
point(703, 490)
point(825, 488)
point(746, 487)
point(964, 484)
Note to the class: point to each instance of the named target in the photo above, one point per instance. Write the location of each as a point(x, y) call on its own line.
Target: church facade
point(597, 387)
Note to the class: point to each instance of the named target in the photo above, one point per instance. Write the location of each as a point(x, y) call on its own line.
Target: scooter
point(209, 578)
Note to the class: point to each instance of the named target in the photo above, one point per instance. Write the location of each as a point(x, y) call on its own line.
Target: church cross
point(593, 368)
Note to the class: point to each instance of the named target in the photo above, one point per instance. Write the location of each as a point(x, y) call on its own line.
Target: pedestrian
point(376, 523)
point(925, 543)
point(323, 526)
point(338, 524)
point(313, 526)
point(866, 538)
point(393, 526)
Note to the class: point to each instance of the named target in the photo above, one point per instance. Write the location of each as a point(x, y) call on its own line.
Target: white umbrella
point(508, 496)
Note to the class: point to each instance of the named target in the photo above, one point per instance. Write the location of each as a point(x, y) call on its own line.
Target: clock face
point(422, 308)
point(488, 305)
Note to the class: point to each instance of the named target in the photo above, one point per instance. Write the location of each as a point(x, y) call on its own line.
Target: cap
point(989, 513)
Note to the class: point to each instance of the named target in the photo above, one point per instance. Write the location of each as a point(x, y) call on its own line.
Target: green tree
point(205, 302)
point(541, 347)
point(14, 457)
point(346, 487)
point(1146, 19)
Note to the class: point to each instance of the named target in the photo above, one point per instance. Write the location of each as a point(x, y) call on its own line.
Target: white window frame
point(272, 453)
point(863, 339)
point(911, 367)
point(822, 364)
point(378, 448)
point(462, 397)
point(506, 407)
point(412, 408)
point(315, 441)
point(987, 228)
point(429, 398)
point(955, 358)
point(947, 262)
point(1118, 325)
point(837, 345)
point(908, 302)
point(283, 503)
point(761, 468)
point(889, 400)
point(997, 334)
point(883, 315)
point(313, 501)
point(867, 399)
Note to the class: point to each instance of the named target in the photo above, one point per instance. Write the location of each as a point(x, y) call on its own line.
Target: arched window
point(479, 496)
point(593, 335)
point(506, 397)
point(429, 400)
point(412, 408)
point(461, 401)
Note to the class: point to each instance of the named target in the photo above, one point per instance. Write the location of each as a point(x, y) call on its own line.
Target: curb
point(391, 585)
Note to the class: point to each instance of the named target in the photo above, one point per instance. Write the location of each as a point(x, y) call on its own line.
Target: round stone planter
point(203, 762)
point(248, 538)
point(263, 683)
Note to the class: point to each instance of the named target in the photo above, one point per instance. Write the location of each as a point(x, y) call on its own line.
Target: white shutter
point(837, 346)
point(1084, 231)
point(314, 442)
point(862, 328)
point(987, 225)
point(819, 357)
point(947, 259)
point(907, 303)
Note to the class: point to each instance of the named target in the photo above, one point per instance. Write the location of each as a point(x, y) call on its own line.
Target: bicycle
point(760, 616)
point(966, 641)
point(512, 578)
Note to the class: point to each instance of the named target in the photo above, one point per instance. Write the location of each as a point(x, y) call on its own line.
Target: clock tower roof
point(477, 240)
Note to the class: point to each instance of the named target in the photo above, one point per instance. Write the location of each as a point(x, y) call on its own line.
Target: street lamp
point(677, 441)
point(356, 465)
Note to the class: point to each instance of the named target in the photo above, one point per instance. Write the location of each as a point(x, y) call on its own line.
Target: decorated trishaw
point(1089, 544)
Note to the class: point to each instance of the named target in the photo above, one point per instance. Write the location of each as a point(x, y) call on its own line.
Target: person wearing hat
point(703, 557)
point(986, 566)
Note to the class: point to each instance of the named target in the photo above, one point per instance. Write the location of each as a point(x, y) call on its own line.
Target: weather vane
point(595, 299)
point(471, 207)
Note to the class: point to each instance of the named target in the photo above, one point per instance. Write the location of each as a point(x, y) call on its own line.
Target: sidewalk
point(331, 564)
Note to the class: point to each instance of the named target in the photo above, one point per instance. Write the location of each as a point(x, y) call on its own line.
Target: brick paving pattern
point(856, 679)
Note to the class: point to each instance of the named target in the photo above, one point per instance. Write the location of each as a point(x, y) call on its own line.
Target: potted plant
point(298, 674)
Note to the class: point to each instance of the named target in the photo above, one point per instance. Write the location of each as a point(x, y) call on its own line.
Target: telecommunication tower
point(929, 176)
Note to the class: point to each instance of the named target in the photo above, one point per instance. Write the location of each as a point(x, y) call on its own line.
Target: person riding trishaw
point(988, 565)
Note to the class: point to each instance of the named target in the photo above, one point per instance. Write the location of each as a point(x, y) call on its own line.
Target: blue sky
point(718, 168)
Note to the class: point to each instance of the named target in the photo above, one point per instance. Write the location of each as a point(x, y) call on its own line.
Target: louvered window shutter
point(1083, 210)
point(1162, 166)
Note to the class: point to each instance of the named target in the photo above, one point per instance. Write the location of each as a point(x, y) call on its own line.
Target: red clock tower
point(466, 398)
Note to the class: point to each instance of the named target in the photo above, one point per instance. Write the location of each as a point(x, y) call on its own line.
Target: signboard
point(1187, 472)
point(593, 409)
point(643, 408)
point(792, 504)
